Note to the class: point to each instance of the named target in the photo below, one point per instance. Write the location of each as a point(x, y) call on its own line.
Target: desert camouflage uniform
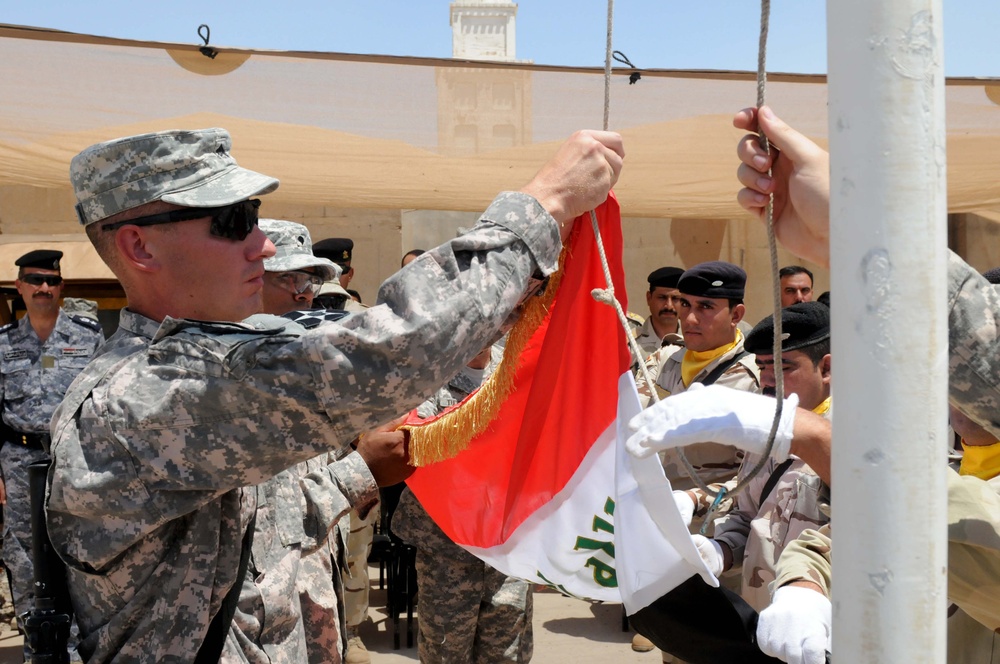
point(154, 442)
point(715, 463)
point(360, 533)
point(654, 364)
point(469, 611)
point(33, 379)
point(973, 503)
point(648, 339)
point(758, 533)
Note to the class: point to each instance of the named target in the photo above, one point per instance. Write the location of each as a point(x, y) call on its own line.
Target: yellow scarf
point(694, 361)
point(982, 461)
point(823, 408)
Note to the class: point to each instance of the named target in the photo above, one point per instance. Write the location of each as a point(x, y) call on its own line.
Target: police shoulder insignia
point(86, 321)
point(8, 327)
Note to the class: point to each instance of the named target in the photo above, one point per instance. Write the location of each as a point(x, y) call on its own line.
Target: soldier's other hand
point(800, 182)
point(713, 414)
point(386, 452)
point(580, 175)
point(795, 627)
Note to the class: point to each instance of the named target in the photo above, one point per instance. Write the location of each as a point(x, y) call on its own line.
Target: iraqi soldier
point(185, 406)
point(785, 498)
point(469, 611)
point(42, 353)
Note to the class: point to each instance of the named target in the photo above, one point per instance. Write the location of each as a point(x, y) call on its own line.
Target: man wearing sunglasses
point(40, 355)
point(195, 398)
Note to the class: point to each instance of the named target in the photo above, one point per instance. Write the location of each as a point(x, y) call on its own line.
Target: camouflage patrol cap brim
point(192, 168)
point(294, 249)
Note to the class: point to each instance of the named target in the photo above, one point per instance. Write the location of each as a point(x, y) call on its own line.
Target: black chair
point(397, 565)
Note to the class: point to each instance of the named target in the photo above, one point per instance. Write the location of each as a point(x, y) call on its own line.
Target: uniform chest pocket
point(18, 379)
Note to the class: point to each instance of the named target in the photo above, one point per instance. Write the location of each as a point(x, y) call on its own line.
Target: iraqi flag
point(548, 492)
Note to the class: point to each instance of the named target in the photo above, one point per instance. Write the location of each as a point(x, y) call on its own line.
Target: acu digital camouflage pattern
point(288, 610)
point(34, 376)
point(293, 249)
point(468, 611)
point(155, 440)
point(189, 168)
point(758, 532)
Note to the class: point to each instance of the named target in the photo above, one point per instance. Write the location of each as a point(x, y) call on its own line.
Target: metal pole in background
point(890, 341)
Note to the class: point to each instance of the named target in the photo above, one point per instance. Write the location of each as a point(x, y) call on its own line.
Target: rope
point(606, 295)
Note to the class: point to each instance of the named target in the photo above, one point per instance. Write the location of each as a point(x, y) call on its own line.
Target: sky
point(706, 34)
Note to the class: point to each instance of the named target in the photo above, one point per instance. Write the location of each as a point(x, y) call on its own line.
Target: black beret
point(716, 279)
point(336, 249)
point(993, 276)
point(44, 259)
point(664, 277)
point(802, 324)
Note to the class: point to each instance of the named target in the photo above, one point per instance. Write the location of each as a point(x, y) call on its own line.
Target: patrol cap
point(716, 279)
point(802, 324)
point(337, 249)
point(664, 277)
point(43, 259)
point(332, 287)
point(191, 168)
point(294, 249)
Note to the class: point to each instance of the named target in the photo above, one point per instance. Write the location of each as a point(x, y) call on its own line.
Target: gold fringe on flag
point(444, 437)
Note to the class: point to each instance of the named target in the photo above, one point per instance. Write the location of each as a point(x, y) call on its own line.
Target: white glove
point(711, 552)
point(685, 505)
point(713, 414)
point(795, 628)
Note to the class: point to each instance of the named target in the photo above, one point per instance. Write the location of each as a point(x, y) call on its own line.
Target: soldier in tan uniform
point(786, 498)
point(709, 305)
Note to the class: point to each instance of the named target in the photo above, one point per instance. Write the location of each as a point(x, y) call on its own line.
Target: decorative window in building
point(503, 96)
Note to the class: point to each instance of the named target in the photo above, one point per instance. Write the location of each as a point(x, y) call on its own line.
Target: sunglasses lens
point(235, 222)
point(39, 279)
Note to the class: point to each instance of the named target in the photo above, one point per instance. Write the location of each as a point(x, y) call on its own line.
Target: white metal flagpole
point(890, 341)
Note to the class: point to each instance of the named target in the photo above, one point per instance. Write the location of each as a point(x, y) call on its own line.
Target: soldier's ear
point(136, 249)
point(824, 367)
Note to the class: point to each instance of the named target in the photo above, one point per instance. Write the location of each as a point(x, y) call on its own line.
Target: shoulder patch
point(9, 326)
point(635, 318)
point(86, 321)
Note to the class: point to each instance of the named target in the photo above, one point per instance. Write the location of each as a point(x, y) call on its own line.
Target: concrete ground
point(567, 631)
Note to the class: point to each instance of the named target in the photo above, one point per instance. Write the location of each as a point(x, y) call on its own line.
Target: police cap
point(337, 249)
point(664, 277)
point(43, 259)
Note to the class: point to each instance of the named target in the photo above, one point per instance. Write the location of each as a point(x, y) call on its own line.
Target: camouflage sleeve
point(974, 344)
point(336, 489)
point(974, 546)
point(431, 318)
point(806, 559)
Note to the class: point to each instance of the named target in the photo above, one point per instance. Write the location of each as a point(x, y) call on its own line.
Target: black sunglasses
point(233, 222)
point(39, 279)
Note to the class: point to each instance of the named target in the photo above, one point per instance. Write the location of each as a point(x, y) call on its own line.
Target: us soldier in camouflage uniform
point(754, 533)
point(156, 439)
point(290, 605)
point(469, 611)
point(41, 355)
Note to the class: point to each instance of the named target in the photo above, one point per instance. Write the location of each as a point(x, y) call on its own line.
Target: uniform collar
point(138, 324)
